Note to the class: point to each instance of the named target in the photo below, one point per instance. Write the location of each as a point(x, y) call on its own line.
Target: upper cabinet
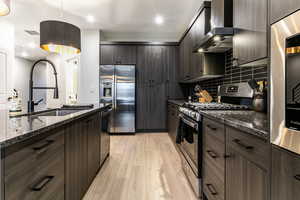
point(282, 8)
point(221, 13)
point(250, 24)
point(117, 54)
point(191, 64)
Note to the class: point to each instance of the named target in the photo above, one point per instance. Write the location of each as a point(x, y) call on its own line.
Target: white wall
point(89, 67)
point(19, 80)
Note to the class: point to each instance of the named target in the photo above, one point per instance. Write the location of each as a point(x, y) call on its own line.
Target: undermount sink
point(57, 112)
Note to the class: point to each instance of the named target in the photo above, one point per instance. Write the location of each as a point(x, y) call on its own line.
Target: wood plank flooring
point(141, 167)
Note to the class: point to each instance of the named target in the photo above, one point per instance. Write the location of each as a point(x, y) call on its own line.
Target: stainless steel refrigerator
point(117, 86)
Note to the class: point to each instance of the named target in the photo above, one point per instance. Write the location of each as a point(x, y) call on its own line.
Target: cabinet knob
point(297, 177)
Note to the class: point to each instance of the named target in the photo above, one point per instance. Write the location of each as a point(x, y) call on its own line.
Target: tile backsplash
point(233, 74)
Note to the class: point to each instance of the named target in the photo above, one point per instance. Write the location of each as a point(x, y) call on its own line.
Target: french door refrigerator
point(117, 86)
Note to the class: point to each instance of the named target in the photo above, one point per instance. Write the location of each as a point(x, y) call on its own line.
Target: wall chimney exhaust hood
point(219, 39)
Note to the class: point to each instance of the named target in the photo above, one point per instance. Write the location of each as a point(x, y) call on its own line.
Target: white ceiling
point(119, 20)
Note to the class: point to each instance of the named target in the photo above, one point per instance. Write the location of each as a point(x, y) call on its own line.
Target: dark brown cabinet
point(247, 166)
point(279, 9)
point(191, 63)
point(93, 131)
point(117, 54)
point(36, 170)
point(156, 82)
point(221, 13)
point(250, 24)
point(173, 121)
point(285, 179)
point(76, 161)
point(214, 160)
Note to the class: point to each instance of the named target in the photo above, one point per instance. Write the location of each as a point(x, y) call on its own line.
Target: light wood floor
point(141, 167)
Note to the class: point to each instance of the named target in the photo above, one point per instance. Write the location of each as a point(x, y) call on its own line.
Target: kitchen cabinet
point(279, 9)
point(250, 24)
point(118, 54)
point(155, 83)
point(173, 121)
point(214, 160)
point(247, 166)
point(191, 63)
point(93, 131)
point(34, 169)
point(76, 161)
point(285, 180)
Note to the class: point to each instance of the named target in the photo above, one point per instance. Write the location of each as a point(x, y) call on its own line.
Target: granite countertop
point(178, 102)
point(17, 129)
point(248, 121)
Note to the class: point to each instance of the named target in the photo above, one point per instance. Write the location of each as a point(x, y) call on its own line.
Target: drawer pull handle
point(42, 183)
point(211, 128)
point(211, 189)
point(43, 146)
point(212, 154)
point(247, 147)
point(297, 177)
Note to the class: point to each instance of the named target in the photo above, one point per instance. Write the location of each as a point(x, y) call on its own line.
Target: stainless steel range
point(232, 97)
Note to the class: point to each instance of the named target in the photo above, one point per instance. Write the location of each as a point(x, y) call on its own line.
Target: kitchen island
point(52, 157)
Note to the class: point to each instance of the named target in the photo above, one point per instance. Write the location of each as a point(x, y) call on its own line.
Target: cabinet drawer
point(253, 148)
point(214, 129)
point(214, 152)
point(213, 186)
point(29, 167)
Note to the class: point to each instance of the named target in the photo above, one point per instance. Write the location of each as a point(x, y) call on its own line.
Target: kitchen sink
point(57, 112)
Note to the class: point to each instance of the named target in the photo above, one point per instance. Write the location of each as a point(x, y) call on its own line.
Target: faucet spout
point(31, 88)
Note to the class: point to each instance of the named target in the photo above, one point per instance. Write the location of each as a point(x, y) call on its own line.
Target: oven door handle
point(189, 122)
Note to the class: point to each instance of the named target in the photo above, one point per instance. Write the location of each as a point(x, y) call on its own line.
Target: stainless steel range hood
point(218, 40)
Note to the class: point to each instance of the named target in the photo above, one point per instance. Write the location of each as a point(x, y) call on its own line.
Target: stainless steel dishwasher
point(105, 137)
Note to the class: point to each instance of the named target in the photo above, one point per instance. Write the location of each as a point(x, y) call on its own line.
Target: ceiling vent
point(31, 32)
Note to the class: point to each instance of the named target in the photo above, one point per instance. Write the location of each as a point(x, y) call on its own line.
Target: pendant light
point(4, 7)
point(60, 37)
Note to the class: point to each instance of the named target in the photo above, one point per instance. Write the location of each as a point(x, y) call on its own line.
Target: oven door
point(190, 128)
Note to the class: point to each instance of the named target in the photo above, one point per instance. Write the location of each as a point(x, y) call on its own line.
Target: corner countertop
point(178, 102)
point(17, 129)
point(251, 122)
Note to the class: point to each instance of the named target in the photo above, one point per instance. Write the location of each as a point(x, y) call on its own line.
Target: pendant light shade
point(60, 37)
point(4, 7)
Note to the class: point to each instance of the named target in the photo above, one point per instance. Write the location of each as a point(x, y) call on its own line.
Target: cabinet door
point(76, 161)
point(158, 110)
point(244, 179)
point(187, 56)
point(285, 175)
point(250, 23)
point(181, 61)
point(93, 134)
point(280, 8)
point(125, 54)
point(107, 54)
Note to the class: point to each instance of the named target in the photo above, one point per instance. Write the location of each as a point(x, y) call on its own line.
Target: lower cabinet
point(76, 161)
point(36, 170)
point(236, 165)
point(247, 166)
point(173, 121)
point(285, 178)
point(82, 157)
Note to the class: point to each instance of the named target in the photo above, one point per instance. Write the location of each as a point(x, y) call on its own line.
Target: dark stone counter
point(17, 129)
point(248, 121)
point(177, 102)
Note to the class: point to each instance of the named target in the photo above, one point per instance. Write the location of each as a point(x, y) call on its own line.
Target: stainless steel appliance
point(284, 79)
point(233, 97)
point(117, 86)
point(105, 137)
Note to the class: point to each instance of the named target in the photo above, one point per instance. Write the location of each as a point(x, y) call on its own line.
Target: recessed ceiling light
point(159, 20)
point(90, 19)
point(24, 54)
